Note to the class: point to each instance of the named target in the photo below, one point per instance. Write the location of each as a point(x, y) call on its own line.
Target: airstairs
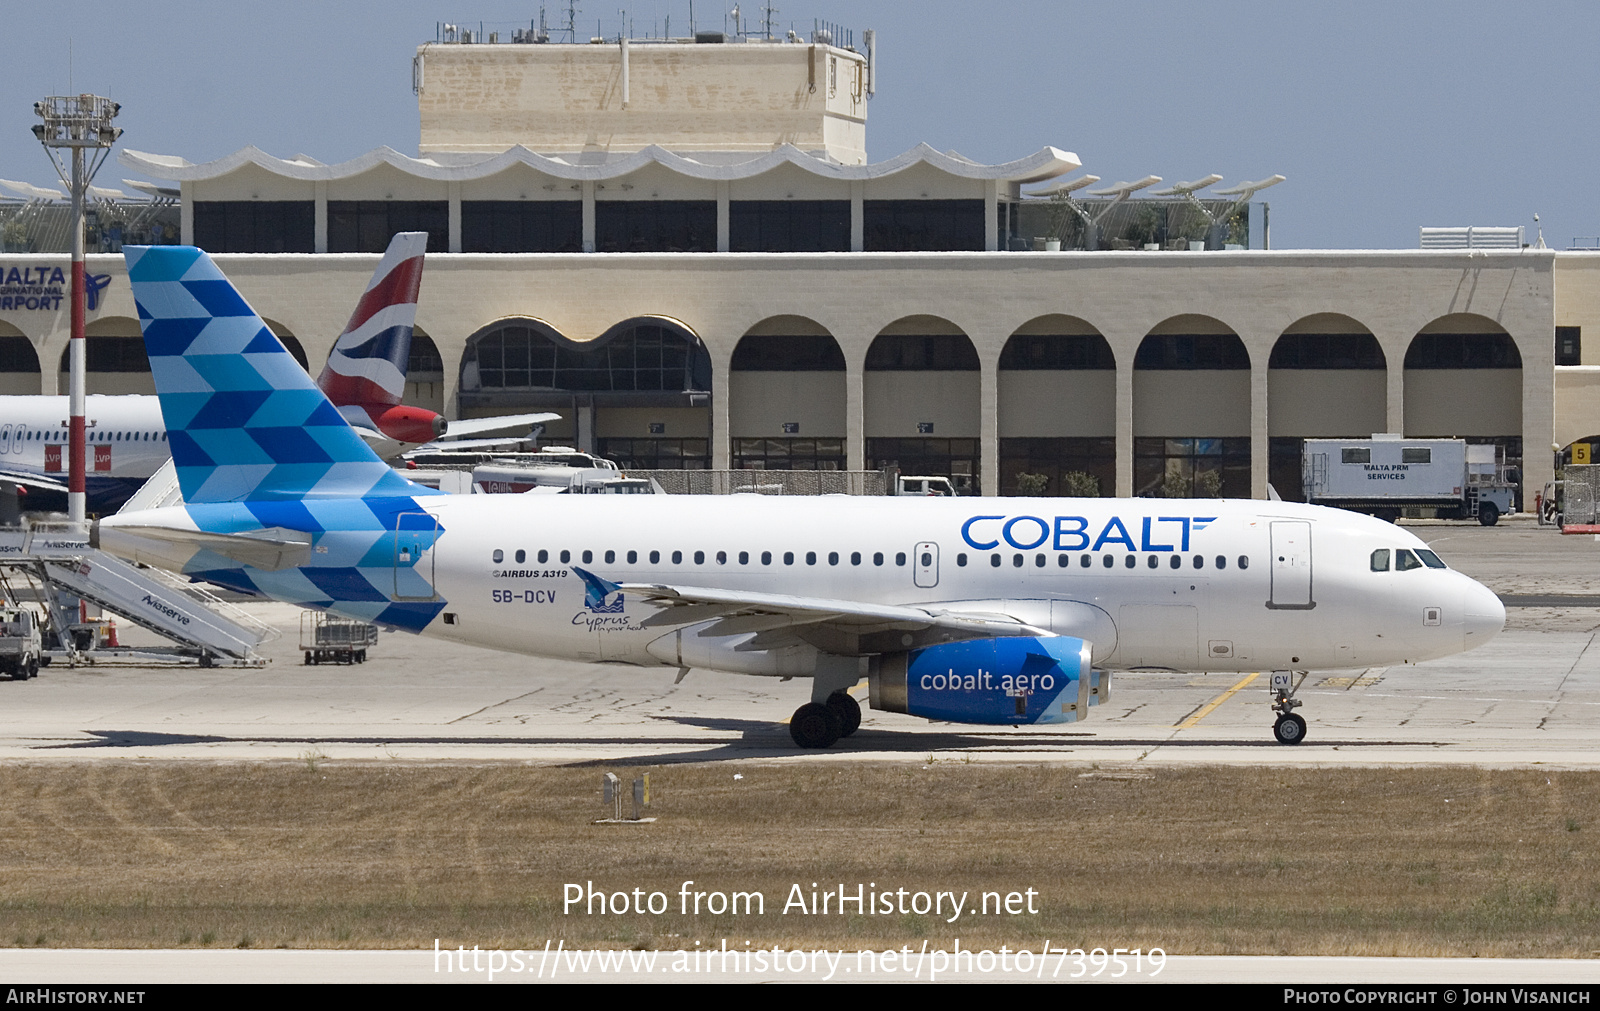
point(53, 564)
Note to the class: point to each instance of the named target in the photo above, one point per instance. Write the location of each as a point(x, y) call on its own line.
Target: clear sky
point(1384, 116)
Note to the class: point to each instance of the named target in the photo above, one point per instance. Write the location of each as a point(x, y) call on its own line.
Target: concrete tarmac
point(1530, 697)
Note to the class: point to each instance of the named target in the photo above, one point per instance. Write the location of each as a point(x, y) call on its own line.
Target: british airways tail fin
point(368, 362)
point(244, 421)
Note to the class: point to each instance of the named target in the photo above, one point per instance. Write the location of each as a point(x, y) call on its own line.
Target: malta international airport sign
point(43, 287)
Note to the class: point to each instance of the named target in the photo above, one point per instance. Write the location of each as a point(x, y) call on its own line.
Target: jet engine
point(1011, 680)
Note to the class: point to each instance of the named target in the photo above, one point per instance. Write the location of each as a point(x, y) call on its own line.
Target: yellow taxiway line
point(1207, 709)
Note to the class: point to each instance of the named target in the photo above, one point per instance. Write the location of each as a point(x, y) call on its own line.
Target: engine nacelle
point(1013, 680)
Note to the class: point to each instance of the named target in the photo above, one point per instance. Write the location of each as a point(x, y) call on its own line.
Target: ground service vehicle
point(20, 643)
point(1385, 474)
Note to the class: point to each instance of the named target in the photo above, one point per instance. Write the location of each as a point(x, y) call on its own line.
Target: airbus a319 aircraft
point(988, 611)
point(365, 378)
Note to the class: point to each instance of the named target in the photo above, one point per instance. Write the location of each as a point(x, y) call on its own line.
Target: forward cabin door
point(1291, 565)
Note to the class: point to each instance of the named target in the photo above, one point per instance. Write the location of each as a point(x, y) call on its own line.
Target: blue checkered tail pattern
point(258, 447)
point(244, 420)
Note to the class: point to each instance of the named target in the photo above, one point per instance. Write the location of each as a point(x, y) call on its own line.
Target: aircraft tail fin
point(368, 362)
point(244, 420)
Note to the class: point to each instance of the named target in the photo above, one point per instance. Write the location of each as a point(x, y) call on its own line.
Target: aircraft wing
point(845, 626)
point(477, 426)
point(28, 480)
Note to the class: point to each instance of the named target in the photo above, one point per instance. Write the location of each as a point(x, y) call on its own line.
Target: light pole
point(79, 123)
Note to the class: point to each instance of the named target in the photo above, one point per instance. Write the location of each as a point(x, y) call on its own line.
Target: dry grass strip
point(1409, 861)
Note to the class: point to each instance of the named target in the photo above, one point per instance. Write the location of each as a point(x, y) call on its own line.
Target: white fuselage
point(125, 441)
point(1194, 584)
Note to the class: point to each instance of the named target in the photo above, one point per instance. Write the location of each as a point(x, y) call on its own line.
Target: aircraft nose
point(1483, 613)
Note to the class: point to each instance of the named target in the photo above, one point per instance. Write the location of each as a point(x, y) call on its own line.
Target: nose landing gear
point(1290, 727)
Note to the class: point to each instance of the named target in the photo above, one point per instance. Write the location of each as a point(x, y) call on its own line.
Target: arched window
point(648, 355)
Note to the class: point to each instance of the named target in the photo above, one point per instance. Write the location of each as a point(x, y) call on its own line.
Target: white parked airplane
point(365, 379)
point(995, 611)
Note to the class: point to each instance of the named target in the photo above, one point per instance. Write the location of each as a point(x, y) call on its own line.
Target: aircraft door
point(1291, 565)
point(414, 534)
point(926, 565)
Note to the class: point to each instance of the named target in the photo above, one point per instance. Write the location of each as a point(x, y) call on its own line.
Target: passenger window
point(1038, 561)
point(833, 558)
point(1063, 560)
point(611, 556)
point(877, 558)
point(677, 558)
point(855, 558)
point(655, 558)
point(633, 558)
point(699, 557)
point(566, 556)
point(1380, 560)
point(744, 558)
point(1430, 559)
point(1153, 561)
point(927, 559)
point(1244, 561)
point(766, 558)
point(1199, 561)
point(994, 561)
point(811, 558)
point(1176, 563)
point(521, 556)
point(899, 557)
point(1130, 561)
point(1016, 561)
point(1222, 561)
point(1084, 561)
point(1405, 561)
point(722, 558)
point(544, 556)
point(961, 560)
point(788, 558)
point(499, 556)
point(588, 556)
point(1107, 561)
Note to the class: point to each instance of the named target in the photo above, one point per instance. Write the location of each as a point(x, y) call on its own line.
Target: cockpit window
point(1380, 560)
point(1404, 560)
point(1430, 559)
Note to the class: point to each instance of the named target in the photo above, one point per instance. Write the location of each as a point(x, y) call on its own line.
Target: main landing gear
point(820, 724)
point(1290, 727)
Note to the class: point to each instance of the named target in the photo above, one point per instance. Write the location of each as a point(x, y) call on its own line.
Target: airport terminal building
point(681, 247)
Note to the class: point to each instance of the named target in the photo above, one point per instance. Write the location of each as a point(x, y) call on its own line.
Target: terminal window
point(1326, 351)
point(655, 226)
point(521, 226)
point(789, 226)
point(799, 353)
point(1191, 468)
point(255, 226)
point(1463, 351)
point(1569, 345)
point(1192, 351)
point(366, 226)
point(923, 225)
point(1061, 352)
point(933, 353)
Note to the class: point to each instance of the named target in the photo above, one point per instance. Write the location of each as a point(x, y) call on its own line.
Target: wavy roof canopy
point(1047, 163)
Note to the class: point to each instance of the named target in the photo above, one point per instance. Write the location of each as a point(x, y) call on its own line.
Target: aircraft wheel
point(814, 725)
point(1488, 514)
point(848, 710)
point(1290, 729)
